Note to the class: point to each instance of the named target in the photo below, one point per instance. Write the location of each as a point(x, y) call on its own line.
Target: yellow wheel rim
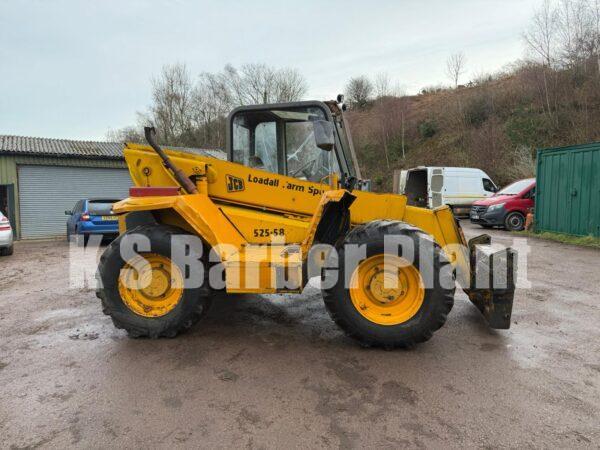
point(151, 285)
point(387, 289)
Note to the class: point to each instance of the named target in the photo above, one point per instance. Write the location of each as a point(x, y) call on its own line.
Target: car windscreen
point(102, 208)
point(515, 188)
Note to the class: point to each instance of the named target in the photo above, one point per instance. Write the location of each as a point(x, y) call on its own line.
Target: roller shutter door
point(46, 192)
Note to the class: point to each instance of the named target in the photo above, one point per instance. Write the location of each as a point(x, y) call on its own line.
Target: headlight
point(496, 207)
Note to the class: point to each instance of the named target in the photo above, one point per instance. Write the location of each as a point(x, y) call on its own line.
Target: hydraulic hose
point(184, 181)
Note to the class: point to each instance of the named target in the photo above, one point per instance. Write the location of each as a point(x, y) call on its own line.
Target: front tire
point(515, 221)
point(164, 308)
point(414, 311)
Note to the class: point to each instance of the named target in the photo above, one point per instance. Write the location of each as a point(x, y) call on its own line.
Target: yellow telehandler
point(289, 199)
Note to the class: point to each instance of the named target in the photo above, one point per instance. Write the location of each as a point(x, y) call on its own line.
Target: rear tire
point(431, 315)
point(7, 251)
point(515, 221)
point(190, 307)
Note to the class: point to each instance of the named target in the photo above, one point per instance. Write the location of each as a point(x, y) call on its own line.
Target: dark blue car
point(92, 216)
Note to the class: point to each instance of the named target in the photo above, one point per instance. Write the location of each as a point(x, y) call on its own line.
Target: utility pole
point(402, 121)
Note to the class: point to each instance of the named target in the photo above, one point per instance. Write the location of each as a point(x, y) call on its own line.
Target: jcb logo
point(234, 184)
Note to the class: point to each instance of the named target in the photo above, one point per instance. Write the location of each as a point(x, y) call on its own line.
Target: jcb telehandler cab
point(288, 200)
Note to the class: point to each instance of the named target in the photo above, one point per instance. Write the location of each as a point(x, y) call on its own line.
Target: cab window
point(488, 185)
point(255, 143)
point(303, 158)
point(530, 193)
point(266, 147)
point(282, 141)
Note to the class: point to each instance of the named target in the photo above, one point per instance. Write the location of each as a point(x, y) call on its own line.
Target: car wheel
point(515, 221)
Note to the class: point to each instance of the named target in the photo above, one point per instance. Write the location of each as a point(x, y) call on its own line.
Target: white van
point(457, 187)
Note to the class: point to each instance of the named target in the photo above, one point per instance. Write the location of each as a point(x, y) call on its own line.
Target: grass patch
point(584, 241)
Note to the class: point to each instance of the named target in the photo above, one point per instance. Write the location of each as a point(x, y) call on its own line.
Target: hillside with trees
point(495, 122)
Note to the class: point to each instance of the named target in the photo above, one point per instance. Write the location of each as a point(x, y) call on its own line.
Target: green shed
point(568, 190)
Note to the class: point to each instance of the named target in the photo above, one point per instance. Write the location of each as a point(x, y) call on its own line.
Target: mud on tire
point(190, 308)
point(437, 303)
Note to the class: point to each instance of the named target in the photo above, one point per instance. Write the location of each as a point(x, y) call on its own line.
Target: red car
point(507, 208)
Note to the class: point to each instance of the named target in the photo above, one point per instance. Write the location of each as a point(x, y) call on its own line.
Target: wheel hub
point(157, 280)
point(150, 285)
point(387, 290)
point(384, 287)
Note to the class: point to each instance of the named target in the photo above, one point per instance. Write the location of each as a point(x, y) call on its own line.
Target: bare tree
point(259, 83)
point(290, 85)
point(579, 28)
point(382, 85)
point(359, 91)
point(455, 67)
point(541, 40)
point(211, 103)
point(126, 134)
point(170, 112)
point(192, 113)
point(541, 35)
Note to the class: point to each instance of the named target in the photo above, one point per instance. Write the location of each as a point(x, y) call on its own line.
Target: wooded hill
point(496, 123)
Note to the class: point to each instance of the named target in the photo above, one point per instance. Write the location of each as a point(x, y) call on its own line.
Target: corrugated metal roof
point(24, 145)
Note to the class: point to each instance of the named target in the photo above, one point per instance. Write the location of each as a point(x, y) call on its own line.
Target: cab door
point(436, 187)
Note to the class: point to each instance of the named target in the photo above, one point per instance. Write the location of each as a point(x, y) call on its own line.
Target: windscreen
point(101, 208)
point(282, 141)
point(516, 187)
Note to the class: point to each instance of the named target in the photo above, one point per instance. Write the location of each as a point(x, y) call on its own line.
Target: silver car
point(6, 236)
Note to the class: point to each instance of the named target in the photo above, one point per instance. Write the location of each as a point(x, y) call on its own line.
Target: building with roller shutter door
point(42, 178)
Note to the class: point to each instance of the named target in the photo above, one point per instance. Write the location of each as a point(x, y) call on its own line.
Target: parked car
point(6, 236)
point(92, 216)
point(508, 208)
point(457, 187)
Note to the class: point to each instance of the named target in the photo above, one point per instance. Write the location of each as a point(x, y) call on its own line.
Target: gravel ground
point(274, 371)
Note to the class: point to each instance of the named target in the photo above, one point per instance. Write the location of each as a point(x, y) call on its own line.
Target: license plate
point(109, 218)
point(474, 216)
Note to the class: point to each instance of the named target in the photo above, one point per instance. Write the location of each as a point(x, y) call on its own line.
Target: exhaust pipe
point(184, 181)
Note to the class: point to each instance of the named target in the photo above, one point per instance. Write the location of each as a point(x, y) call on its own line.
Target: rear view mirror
point(324, 134)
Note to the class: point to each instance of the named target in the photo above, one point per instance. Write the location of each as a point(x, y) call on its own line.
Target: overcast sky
point(74, 69)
